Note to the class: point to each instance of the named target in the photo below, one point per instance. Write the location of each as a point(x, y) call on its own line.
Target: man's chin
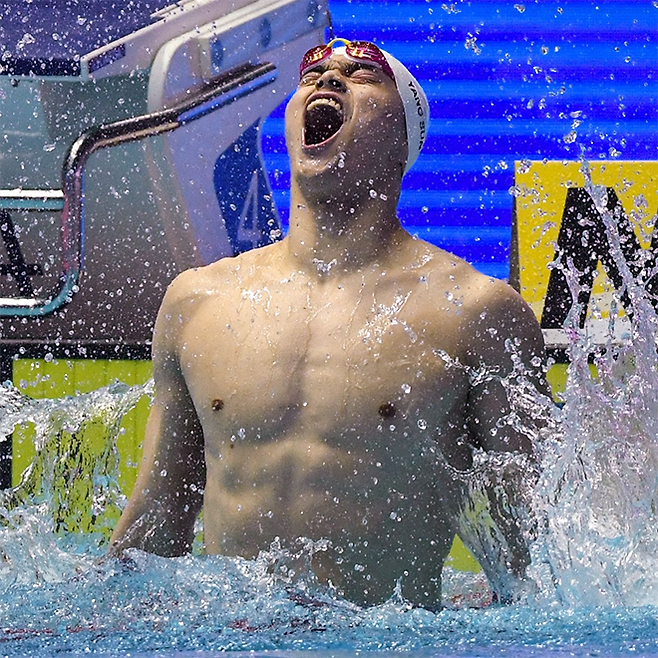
point(315, 161)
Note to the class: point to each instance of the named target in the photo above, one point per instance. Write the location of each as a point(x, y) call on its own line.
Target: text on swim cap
point(421, 112)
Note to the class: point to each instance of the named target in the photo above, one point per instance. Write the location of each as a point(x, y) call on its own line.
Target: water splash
point(588, 509)
point(597, 494)
point(68, 499)
point(587, 506)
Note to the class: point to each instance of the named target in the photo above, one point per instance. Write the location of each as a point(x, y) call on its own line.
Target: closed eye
point(363, 73)
point(366, 75)
point(310, 78)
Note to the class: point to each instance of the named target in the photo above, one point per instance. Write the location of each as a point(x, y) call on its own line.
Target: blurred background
point(506, 81)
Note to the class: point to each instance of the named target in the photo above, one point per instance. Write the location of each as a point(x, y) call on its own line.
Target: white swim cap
point(416, 108)
point(414, 103)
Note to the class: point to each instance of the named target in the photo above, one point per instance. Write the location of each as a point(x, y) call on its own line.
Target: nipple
point(387, 410)
point(217, 405)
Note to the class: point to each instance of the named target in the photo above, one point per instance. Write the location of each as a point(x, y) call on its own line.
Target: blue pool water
point(174, 617)
point(202, 606)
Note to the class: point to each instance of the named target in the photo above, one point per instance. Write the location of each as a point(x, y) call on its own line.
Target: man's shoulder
point(481, 300)
point(492, 312)
point(486, 291)
point(492, 302)
point(218, 278)
point(450, 274)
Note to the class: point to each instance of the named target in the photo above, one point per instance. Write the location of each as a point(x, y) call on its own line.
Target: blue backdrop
point(506, 81)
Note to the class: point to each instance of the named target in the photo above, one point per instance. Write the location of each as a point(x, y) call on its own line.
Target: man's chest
point(276, 357)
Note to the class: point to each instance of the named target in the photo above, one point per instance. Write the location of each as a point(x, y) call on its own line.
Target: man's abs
point(379, 509)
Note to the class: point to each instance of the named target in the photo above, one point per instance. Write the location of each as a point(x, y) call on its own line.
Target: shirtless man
point(301, 389)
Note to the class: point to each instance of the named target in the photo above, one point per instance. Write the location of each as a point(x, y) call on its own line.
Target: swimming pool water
point(203, 606)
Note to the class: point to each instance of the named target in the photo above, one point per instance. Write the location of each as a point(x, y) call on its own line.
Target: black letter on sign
point(17, 268)
point(583, 239)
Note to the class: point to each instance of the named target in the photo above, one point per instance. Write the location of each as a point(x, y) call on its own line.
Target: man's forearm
point(156, 528)
point(496, 521)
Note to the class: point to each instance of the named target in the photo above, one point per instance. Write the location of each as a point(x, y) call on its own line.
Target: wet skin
point(303, 388)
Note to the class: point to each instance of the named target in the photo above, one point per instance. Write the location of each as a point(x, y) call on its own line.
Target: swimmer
point(300, 387)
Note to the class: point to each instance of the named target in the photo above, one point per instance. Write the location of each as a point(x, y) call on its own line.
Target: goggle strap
point(333, 41)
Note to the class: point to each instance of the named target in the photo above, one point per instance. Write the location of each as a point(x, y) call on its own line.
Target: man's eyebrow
point(318, 68)
point(323, 66)
point(353, 66)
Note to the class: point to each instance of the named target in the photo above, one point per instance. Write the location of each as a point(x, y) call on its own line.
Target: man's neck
point(340, 235)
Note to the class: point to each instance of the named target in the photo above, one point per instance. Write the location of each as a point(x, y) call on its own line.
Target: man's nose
point(331, 80)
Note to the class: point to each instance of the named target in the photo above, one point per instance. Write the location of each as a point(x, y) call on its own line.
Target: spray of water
point(586, 504)
point(599, 466)
point(68, 499)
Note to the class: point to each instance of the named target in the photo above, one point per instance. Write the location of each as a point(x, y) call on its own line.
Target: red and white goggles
point(356, 51)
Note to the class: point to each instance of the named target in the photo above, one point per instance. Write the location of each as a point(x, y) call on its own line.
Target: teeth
point(325, 101)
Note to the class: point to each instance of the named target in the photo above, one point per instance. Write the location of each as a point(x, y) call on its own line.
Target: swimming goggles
point(356, 51)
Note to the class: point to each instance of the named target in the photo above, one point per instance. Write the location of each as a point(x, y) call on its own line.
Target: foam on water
point(587, 505)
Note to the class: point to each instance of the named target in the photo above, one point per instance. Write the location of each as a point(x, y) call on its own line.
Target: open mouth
point(322, 120)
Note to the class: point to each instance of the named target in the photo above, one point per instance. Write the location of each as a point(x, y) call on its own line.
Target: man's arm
point(505, 356)
point(504, 345)
point(168, 494)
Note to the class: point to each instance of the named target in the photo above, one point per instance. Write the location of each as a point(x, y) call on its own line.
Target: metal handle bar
point(233, 85)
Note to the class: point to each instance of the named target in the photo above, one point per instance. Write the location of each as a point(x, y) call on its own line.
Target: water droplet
point(451, 8)
point(523, 166)
point(471, 44)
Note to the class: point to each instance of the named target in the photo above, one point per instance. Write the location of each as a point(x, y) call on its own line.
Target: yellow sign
point(550, 195)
